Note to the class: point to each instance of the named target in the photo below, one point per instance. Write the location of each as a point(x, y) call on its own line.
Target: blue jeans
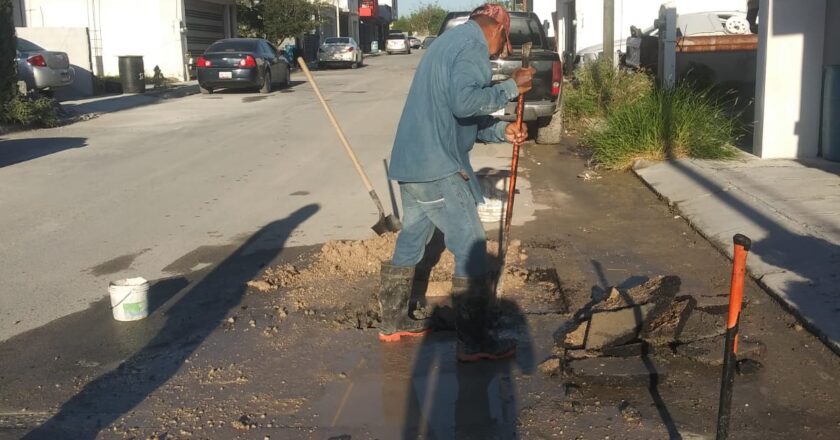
point(446, 204)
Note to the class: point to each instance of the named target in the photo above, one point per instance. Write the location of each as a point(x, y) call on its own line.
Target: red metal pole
point(736, 299)
point(514, 165)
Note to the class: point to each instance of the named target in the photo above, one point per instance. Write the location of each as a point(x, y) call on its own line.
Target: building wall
point(789, 78)
point(831, 53)
point(152, 28)
point(18, 13)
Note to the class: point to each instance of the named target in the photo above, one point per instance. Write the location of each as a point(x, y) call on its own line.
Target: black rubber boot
point(394, 292)
point(471, 299)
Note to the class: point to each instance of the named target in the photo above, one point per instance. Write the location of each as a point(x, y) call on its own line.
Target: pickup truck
point(541, 102)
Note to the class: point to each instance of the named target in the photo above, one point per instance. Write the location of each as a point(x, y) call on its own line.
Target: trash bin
point(830, 130)
point(132, 74)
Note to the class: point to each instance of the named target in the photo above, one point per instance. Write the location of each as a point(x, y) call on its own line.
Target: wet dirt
point(296, 356)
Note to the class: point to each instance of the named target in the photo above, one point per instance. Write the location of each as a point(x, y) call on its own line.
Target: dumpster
point(830, 128)
point(132, 74)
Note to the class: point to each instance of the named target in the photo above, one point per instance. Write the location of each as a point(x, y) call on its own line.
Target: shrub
point(664, 124)
point(597, 89)
point(30, 112)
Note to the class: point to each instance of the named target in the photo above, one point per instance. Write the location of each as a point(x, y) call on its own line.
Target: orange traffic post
point(736, 299)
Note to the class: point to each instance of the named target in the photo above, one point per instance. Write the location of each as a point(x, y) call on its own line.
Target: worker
point(446, 111)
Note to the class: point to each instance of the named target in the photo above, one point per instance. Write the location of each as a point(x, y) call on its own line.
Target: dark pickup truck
point(542, 100)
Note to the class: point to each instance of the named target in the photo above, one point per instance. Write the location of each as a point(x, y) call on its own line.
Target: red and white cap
point(498, 13)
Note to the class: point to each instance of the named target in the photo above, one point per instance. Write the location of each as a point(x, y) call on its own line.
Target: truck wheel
point(550, 130)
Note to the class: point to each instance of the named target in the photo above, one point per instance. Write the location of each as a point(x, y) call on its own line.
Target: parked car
point(242, 63)
point(415, 42)
point(642, 47)
point(340, 51)
point(397, 43)
point(541, 101)
point(40, 69)
point(428, 41)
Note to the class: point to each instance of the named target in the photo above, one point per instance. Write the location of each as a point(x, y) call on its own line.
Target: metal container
point(830, 127)
point(132, 74)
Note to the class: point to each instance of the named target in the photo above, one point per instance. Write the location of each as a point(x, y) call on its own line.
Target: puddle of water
point(254, 98)
point(115, 265)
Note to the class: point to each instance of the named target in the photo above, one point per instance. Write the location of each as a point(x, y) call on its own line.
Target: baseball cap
point(498, 13)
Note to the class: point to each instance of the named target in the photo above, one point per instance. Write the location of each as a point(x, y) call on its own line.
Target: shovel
point(388, 223)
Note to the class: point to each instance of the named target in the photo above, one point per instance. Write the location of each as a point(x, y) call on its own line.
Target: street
point(167, 189)
point(261, 330)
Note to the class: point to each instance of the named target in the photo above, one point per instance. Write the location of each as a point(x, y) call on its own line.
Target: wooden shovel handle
point(338, 130)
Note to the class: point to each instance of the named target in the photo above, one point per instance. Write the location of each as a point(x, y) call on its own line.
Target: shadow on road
point(14, 151)
point(189, 321)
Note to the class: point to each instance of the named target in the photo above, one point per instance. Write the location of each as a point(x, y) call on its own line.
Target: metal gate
point(205, 24)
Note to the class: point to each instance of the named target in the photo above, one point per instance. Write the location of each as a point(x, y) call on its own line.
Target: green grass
point(597, 90)
point(664, 124)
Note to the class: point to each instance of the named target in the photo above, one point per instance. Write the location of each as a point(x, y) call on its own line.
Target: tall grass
point(664, 124)
point(598, 89)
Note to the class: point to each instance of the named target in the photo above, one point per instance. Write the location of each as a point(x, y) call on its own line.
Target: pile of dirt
point(338, 283)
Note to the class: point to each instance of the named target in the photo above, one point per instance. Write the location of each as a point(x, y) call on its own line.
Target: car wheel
point(266, 87)
point(288, 77)
point(354, 64)
point(205, 90)
point(387, 52)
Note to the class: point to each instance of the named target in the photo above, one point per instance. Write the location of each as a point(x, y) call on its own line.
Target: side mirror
point(546, 25)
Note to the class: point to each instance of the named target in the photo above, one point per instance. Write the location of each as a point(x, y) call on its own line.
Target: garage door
point(205, 24)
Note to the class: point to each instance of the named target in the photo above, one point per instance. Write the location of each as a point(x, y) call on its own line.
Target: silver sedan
point(42, 69)
point(340, 51)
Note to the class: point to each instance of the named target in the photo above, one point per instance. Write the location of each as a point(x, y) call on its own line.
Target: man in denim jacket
point(447, 110)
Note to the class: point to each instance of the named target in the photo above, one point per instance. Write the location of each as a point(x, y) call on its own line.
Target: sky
point(406, 7)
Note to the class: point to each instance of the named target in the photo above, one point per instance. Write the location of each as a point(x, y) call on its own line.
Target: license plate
point(225, 75)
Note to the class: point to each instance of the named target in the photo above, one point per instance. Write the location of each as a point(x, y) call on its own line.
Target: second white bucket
point(129, 299)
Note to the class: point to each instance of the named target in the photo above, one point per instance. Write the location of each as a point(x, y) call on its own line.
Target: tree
point(403, 24)
point(249, 18)
point(289, 18)
point(7, 54)
point(427, 19)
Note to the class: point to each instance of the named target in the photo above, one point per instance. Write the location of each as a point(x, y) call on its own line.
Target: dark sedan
point(242, 63)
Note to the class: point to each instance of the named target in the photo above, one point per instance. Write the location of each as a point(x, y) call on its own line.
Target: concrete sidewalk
point(94, 106)
point(791, 211)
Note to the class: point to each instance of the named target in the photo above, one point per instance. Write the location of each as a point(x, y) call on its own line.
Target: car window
point(233, 46)
point(266, 49)
point(337, 40)
point(396, 37)
point(27, 46)
point(274, 50)
point(525, 29)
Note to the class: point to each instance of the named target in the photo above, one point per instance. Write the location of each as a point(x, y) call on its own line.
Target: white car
point(340, 51)
point(397, 43)
point(694, 24)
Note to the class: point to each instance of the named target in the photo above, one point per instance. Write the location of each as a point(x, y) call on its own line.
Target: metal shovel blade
point(387, 224)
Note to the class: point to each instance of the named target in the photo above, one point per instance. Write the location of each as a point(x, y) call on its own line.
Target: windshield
point(396, 37)
point(335, 40)
point(27, 46)
point(522, 29)
point(525, 29)
point(233, 46)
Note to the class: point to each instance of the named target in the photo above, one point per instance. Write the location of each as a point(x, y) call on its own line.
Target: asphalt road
point(170, 188)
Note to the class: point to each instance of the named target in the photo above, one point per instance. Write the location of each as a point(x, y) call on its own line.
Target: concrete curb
point(809, 298)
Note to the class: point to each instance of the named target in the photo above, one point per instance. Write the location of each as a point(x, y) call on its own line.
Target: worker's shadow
point(189, 321)
point(447, 399)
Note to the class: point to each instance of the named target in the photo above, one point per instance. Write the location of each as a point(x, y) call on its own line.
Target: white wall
point(789, 78)
point(151, 28)
point(73, 41)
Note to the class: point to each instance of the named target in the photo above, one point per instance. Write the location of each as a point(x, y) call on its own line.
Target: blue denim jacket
point(447, 109)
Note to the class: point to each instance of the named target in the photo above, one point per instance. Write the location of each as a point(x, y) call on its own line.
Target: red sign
point(367, 8)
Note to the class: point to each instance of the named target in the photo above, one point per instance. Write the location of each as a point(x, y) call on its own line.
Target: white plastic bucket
point(129, 299)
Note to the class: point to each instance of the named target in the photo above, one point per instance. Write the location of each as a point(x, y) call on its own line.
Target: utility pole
point(609, 31)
